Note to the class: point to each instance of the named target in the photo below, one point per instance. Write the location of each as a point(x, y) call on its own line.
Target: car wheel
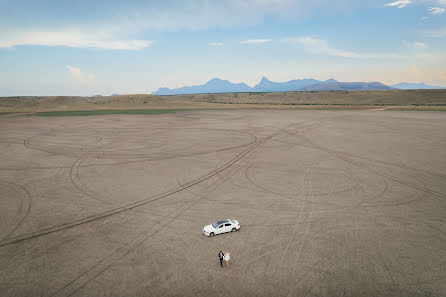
point(212, 234)
point(233, 229)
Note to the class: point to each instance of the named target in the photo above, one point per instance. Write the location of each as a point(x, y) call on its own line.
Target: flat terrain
point(331, 203)
point(390, 99)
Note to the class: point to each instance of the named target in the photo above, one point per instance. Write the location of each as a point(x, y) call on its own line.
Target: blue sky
point(103, 47)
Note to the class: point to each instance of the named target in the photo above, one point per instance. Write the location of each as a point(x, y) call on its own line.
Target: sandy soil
point(331, 203)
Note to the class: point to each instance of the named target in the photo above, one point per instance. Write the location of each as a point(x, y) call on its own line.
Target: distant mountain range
point(415, 86)
point(266, 85)
point(217, 85)
point(354, 86)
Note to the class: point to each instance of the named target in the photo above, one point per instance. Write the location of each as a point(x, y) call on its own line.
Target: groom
point(220, 255)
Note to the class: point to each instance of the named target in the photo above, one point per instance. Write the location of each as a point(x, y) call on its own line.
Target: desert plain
point(331, 203)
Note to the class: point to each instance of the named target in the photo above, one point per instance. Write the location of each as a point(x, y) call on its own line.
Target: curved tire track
point(28, 207)
point(139, 203)
point(81, 281)
point(368, 168)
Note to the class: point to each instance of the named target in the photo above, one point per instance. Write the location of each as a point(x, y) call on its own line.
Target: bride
point(227, 257)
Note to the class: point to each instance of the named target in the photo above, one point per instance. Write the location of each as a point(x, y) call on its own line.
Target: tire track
point(308, 223)
point(28, 196)
point(94, 271)
point(306, 219)
point(81, 281)
point(221, 179)
point(139, 203)
point(253, 251)
point(231, 273)
point(368, 168)
point(290, 196)
point(34, 168)
point(75, 179)
point(393, 164)
point(112, 155)
point(33, 146)
point(71, 288)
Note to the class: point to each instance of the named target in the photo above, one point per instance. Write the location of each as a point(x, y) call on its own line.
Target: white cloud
point(436, 10)
point(415, 45)
point(255, 41)
point(320, 47)
point(216, 44)
point(77, 73)
point(399, 4)
point(72, 39)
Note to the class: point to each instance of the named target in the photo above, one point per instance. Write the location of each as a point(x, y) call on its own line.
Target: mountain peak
point(264, 80)
point(214, 85)
point(215, 79)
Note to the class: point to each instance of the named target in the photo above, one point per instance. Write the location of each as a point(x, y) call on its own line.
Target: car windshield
point(215, 225)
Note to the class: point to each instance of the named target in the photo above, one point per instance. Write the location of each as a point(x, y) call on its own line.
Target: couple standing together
point(226, 257)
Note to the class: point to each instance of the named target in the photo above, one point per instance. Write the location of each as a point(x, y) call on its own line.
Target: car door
point(220, 229)
point(227, 227)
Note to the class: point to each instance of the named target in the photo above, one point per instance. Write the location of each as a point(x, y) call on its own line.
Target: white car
point(221, 226)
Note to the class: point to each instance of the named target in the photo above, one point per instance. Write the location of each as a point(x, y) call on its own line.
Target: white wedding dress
point(227, 257)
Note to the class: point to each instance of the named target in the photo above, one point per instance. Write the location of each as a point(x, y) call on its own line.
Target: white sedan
point(221, 226)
